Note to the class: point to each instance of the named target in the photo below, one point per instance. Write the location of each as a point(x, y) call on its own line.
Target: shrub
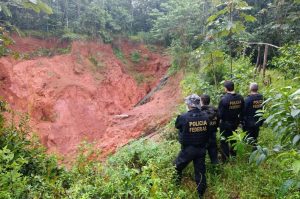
point(180, 56)
point(26, 171)
point(98, 65)
point(5, 41)
point(70, 36)
point(143, 37)
point(135, 56)
point(289, 60)
point(282, 113)
point(119, 54)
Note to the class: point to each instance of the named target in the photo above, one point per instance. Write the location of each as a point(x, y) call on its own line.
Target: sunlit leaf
point(296, 139)
point(6, 11)
point(33, 1)
point(295, 113)
point(248, 18)
point(261, 158)
point(286, 186)
point(296, 167)
point(277, 148)
point(215, 16)
point(253, 156)
point(296, 93)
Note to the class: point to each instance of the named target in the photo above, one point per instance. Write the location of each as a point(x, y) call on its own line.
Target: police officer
point(193, 136)
point(230, 111)
point(214, 124)
point(252, 122)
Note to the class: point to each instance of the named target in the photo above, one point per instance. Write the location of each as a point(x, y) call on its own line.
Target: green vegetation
point(97, 65)
point(289, 60)
point(119, 54)
point(135, 56)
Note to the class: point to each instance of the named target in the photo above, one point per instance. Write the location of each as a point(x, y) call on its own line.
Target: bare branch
point(260, 43)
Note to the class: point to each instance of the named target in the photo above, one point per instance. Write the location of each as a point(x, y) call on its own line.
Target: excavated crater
point(88, 93)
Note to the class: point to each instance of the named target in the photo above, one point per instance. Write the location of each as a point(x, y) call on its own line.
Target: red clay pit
point(88, 94)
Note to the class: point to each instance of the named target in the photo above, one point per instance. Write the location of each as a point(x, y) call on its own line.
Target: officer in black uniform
point(214, 124)
point(230, 111)
point(252, 122)
point(193, 136)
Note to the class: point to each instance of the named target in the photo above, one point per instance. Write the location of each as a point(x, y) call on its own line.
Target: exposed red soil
point(71, 99)
point(29, 44)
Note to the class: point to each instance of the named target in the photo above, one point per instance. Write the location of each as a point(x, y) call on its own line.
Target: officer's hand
point(241, 125)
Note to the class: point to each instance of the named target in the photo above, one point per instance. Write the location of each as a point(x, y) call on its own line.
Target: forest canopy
point(272, 21)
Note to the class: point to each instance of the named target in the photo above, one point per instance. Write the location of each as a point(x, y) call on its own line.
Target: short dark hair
point(229, 85)
point(205, 99)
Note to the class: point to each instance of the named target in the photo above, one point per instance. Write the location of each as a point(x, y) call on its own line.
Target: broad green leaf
point(248, 18)
point(296, 93)
point(261, 159)
point(218, 53)
point(277, 148)
point(296, 167)
point(215, 16)
point(224, 33)
point(269, 118)
point(241, 4)
point(286, 186)
point(253, 156)
point(6, 11)
point(268, 100)
point(239, 27)
point(296, 139)
point(33, 1)
point(45, 8)
point(295, 113)
point(211, 18)
point(29, 5)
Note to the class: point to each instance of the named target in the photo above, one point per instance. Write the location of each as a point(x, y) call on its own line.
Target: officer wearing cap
point(231, 114)
point(214, 124)
point(193, 136)
point(252, 122)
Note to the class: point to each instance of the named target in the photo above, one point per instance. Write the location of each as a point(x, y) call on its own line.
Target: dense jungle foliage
point(209, 41)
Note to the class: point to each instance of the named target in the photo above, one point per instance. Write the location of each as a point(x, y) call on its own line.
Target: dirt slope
point(79, 96)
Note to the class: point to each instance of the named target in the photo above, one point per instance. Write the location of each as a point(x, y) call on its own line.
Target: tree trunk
point(214, 70)
point(265, 60)
point(259, 68)
point(78, 8)
point(66, 13)
point(257, 61)
point(244, 51)
point(230, 37)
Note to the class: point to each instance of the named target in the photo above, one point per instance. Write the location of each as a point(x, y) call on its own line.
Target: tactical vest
point(252, 104)
point(195, 129)
point(231, 107)
point(213, 117)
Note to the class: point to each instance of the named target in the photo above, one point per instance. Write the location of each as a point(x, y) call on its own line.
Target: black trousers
point(252, 134)
point(226, 129)
point(197, 155)
point(212, 149)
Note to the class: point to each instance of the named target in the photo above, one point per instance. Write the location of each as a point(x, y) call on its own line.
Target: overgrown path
point(88, 90)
